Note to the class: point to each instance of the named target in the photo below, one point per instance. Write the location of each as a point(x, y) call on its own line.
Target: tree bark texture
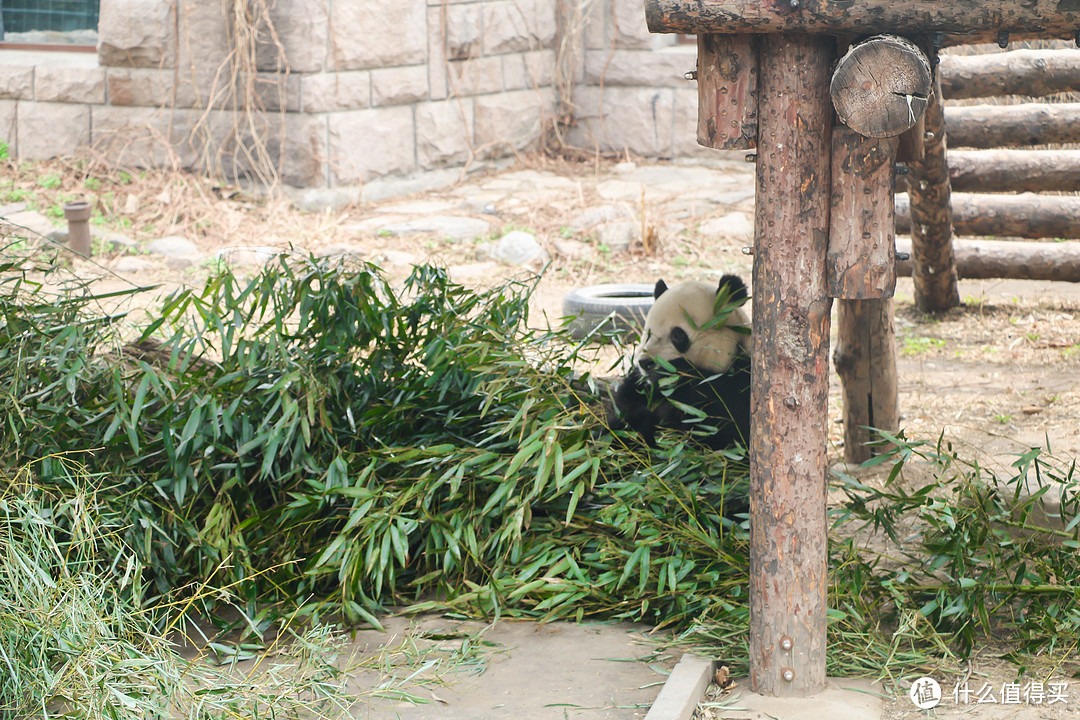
point(880, 86)
point(791, 314)
point(964, 22)
point(931, 222)
point(1013, 260)
point(862, 234)
point(727, 77)
point(1026, 215)
point(1014, 170)
point(1034, 73)
point(866, 362)
point(990, 126)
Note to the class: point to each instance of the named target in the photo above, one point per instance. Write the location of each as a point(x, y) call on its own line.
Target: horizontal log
point(990, 259)
point(988, 126)
point(1026, 215)
point(1034, 73)
point(963, 22)
point(1014, 170)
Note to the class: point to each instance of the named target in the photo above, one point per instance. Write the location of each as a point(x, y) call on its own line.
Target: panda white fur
point(702, 331)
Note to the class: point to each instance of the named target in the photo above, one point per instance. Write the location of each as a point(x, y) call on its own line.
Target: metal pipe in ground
point(78, 217)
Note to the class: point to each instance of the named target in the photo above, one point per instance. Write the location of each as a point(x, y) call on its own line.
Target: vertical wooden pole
point(789, 390)
point(862, 273)
point(866, 362)
point(727, 76)
point(929, 191)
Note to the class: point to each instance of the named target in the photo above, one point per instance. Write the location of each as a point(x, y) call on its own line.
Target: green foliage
point(50, 181)
point(974, 554)
point(316, 434)
point(315, 440)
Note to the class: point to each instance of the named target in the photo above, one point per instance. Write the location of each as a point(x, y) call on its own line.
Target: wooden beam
point(790, 378)
point(990, 126)
point(967, 21)
point(931, 236)
point(1014, 170)
point(1025, 216)
point(865, 360)
point(727, 78)
point(1013, 260)
point(1034, 73)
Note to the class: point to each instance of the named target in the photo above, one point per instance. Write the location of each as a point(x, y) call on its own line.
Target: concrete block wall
point(350, 90)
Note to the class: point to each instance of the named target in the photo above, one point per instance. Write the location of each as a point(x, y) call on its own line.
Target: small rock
point(573, 249)
point(32, 220)
point(593, 216)
point(340, 250)
point(397, 257)
point(447, 226)
point(172, 246)
point(517, 247)
point(12, 208)
point(732, 197)
point(734, 224)
point(624, 167)
point(129, 264)
point(131, 205)
point(618, 236)
point(180, 262)
point(248, 256)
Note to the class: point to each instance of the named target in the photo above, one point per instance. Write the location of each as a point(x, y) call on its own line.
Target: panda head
point(699, 323)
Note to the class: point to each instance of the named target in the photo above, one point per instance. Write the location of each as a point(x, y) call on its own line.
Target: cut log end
point(880, 87)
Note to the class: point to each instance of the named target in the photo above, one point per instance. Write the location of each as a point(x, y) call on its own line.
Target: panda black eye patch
point(679, 339)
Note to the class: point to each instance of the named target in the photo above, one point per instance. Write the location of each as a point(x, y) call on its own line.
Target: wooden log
point(1034, 73)
point(865, 359)
point(963, 22)
point(790, 379)
point(1026, 215)
point(929, 192)
point(862, 235)
point(880, 86)
point(727, 76)
point(1012, 260)
point(989, 126)
point(1014, 170)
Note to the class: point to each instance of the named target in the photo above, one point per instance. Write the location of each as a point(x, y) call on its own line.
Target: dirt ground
point(998, 375)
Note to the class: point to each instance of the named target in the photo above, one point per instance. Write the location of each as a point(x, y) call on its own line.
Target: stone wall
point(339, 93)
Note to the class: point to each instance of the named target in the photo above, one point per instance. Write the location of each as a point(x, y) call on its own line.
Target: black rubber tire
point(618, 306)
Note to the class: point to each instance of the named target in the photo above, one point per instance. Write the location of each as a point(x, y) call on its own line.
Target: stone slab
point(842, 699)
point(683, 689)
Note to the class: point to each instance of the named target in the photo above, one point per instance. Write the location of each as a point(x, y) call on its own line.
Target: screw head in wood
point(787, 673)
point(786, 643)
point(690, 74)
point(1003, 39)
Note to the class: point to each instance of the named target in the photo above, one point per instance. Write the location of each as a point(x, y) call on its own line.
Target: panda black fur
point(710, 351)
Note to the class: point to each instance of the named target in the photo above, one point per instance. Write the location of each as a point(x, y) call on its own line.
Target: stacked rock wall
point(337, 93)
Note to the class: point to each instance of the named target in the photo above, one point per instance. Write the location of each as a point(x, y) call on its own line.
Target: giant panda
point(701, 331)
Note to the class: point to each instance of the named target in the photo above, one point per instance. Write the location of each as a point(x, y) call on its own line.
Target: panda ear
point(660, 289)
point(736, 288)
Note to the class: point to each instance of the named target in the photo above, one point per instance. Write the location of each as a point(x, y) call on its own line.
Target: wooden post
point(790, 383)
point(727, 75)
point(931, 220)
point(862, 273)
point(862, 235)
point(865, 359)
